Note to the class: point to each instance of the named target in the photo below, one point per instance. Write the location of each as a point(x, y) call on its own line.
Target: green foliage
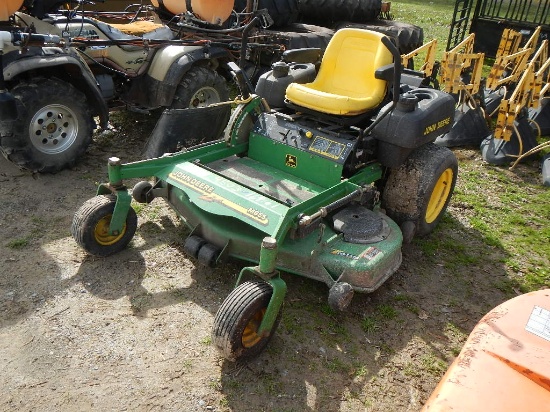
point(18, 243)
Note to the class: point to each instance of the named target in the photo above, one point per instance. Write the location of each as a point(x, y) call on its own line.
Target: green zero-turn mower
point(328, 187)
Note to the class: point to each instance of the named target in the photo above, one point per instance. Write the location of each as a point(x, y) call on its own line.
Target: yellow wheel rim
point(440, 194)
point(250, 333)
point(101, 232)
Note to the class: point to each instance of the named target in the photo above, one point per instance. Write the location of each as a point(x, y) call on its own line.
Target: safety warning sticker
point(539, 323)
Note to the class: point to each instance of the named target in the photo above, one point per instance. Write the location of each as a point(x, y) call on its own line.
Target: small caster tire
point(90, 227)
point(193, 244)
point(208, 255)
point(141, 192)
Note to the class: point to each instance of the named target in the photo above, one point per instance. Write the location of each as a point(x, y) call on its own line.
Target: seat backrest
point(349, 63)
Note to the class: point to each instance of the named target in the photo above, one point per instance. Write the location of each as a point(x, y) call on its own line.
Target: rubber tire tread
point(409, 187)
point(229, 323)
point(299, 36)
point(87, 216)
point(196, 78)
point(281, 11)
point(408, 37)
point(327, 12)
point(15, 142)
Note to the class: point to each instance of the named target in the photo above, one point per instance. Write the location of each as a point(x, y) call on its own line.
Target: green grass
point(433, 16)
point(18, 243)
point(513, 215)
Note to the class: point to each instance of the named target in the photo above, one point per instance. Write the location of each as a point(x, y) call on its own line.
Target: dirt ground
point(132, 331)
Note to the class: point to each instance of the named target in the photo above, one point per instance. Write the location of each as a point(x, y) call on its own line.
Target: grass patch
point(18, 243)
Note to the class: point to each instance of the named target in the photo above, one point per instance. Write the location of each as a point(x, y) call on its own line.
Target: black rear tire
point(281, 11)
point(326, 12)
point(200, 87)
point(420, 189)
point(53, 129)
point(238, 318)
point(407, 37)
point(299, 36)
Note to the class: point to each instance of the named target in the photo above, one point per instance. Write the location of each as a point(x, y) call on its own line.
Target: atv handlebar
point(24, 39)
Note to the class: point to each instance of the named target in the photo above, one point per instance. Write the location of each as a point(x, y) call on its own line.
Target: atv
point(327, 187)
point(94, 65)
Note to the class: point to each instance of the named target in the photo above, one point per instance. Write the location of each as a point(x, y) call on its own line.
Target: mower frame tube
point(145, 168)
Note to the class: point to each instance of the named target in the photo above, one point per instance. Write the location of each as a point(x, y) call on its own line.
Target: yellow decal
point(291, 161)
point(208, 195)
point(437, 126)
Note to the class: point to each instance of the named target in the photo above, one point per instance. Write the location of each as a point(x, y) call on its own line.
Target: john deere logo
point(291, 161)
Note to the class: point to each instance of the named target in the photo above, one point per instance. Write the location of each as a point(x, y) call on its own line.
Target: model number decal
point(257, 214)
point(437, 126)
point(208, 195)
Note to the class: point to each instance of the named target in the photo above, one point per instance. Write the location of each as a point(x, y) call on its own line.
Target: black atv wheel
point(90, 227)
point(200, 87)
point(420, 189)
point(281, 11)
point(238, 318)
point(326, 12)
point(53, 129)
point(407, 37)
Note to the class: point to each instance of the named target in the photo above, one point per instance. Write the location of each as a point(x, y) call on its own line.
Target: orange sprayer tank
point(8, 7)
point(505, 363)
point(212, 11)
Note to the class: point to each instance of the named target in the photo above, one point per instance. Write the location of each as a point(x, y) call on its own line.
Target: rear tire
point(54, 126)
point(326, 12)
point(281, 11)
point(299, 36)
point(420, 189)
point(407, 37)
point(238, 319)
point(200, 87)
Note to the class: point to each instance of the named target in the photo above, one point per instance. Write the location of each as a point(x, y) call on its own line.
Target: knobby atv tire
point(53, 129)
point(326, 12)
point(407, 37)
point(239, 317)
point(200, 87)
point(91, 224)
point(281, 11)
point(420, 189)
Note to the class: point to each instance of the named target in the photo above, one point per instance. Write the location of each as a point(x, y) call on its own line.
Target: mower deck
point(234, 202)
point(267, 180)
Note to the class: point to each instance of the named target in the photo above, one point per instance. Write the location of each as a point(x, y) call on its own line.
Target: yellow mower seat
point(345, 84)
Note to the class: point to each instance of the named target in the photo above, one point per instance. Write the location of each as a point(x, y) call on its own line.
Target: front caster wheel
point(90, 227)
point(235, 331)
